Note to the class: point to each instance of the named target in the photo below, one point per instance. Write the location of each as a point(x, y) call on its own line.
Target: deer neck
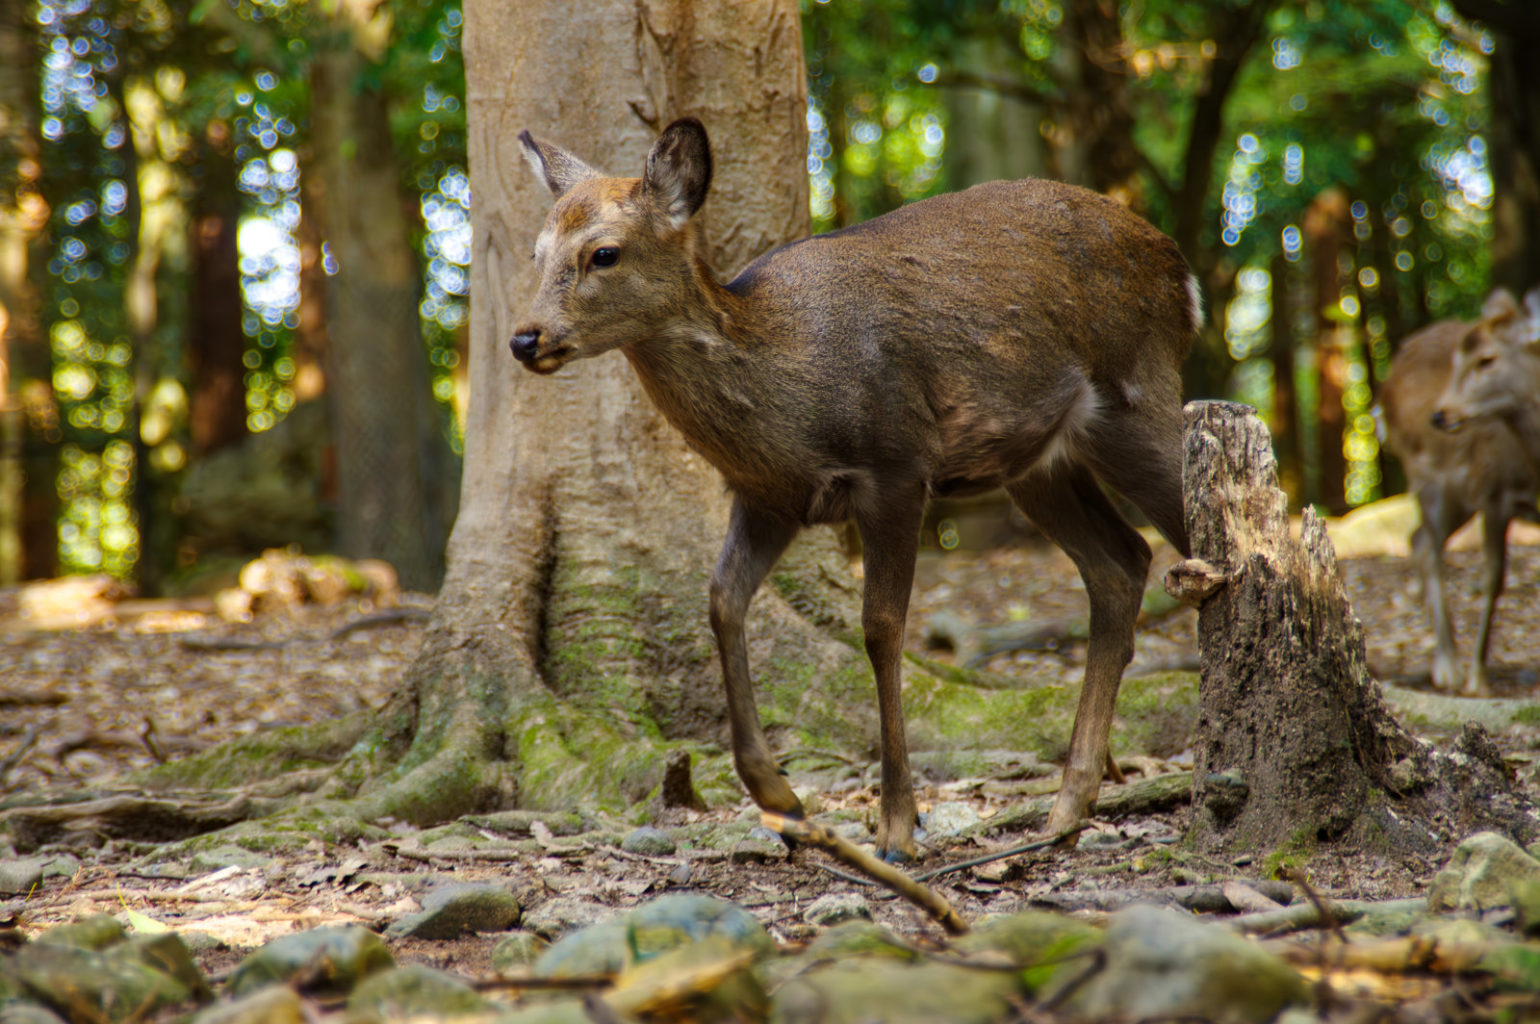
point(695, 367)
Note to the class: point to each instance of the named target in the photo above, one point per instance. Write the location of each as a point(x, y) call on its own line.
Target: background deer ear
point(1532, 312)
point(559, 169)
point(1500, 305)
point(679, 170)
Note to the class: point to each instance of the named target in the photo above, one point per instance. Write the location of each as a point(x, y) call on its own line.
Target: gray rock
point(562, 914)
point(95, 932)
point(517, 950)
point(949, 819)
point(273, 1004)
point(860, 937)
point(454, 910)
point(649, 842)
point(1482, 873)
point(760, 846)
point(332, 959)
point(873, 988)
point(21, 875)
point(411, 991)
point(650, 930)
point(836, 908)
point(28, 1013)
point(91, 984)
point(1165, 964)
point(60, 865)
point(205, 861)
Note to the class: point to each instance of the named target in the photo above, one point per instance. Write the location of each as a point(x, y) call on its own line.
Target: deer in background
point(1462, 408)
point(1024, 335)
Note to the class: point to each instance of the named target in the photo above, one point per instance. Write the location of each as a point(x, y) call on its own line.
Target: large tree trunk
point(29, 419)
point(384, 421)
point(573, 618)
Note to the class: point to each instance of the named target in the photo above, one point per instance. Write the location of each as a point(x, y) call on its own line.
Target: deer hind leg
point(1068, 505)
point(889, 539)
point(754, 544)
point(1494, 550)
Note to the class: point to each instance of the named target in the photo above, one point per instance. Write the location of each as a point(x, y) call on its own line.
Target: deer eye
point(605, 256)
point(1485, 362)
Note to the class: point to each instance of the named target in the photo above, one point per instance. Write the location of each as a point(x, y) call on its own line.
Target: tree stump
point(1295, 747)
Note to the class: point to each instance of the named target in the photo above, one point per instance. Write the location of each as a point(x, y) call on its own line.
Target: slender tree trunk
point(1514, 139)
point(573, 617)
point(1285, 425)
point(29, 418)
point(216, 343)
point(1326, 231)
point(991, 135)
point(384, 422)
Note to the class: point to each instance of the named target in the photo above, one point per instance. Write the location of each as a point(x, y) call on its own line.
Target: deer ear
point(1532, 312)
point(1500, 305)
point(559, 169)
point(679, 170)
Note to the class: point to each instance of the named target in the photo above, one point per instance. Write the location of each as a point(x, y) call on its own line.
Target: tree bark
point(29, 417)
point(571, 630)
point(1514, 138)
point(217, 406)
point(384, 422)
point(1295, 747)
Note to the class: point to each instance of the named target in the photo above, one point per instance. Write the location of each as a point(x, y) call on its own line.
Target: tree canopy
point(203, 203)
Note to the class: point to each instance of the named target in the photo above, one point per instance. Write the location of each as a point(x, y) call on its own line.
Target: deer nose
point(525, 345)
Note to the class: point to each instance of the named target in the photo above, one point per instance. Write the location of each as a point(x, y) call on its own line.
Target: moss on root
point(267, 754)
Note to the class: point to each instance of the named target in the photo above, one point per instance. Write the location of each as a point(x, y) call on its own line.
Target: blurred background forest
point(217, 335)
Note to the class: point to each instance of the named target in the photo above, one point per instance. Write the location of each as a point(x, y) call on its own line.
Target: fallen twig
point(501, 855)
point(920, 895)
point(1308, 915)
point(28, 739)
point(987, 858)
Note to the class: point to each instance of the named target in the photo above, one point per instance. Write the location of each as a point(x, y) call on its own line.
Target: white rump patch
point(1084, 410)
point(1195, 303)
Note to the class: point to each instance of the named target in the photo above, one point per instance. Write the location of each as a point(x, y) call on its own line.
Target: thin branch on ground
point(988, 858)
point(922, 896)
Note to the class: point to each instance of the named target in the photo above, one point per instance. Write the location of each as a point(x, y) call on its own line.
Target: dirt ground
point(82, 706)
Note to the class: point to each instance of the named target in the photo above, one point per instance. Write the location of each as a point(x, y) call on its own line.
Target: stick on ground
point(922, 896)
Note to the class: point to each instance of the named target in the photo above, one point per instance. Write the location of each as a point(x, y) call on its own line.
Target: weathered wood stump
point(1295, 746)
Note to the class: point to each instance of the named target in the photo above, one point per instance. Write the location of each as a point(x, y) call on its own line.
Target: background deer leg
point(889, 539)
point(1428, 552)
point(1070, 508)
point(754, 544)
point(1494, 550)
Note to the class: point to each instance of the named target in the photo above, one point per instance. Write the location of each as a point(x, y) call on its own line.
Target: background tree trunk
point(388, 438)
point(573, 619)
point(29, 419)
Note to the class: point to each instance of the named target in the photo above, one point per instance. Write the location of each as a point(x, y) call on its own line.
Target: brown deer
point(1453, 405)
point(1024, 335)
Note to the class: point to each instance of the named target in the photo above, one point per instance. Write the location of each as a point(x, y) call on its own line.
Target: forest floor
point(82, 707)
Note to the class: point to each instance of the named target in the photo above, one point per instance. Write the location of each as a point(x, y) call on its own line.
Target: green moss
point(569, 756)
point(1158, 713)
point(267, 754)
point(1293, 852)
point(1529, 714)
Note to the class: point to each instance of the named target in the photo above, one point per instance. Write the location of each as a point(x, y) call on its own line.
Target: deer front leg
point(754, 544)
point(889, 539)
point(1432, 532)
point(1494, 550)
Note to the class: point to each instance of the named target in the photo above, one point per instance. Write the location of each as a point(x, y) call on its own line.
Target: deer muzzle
point(526, 348)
